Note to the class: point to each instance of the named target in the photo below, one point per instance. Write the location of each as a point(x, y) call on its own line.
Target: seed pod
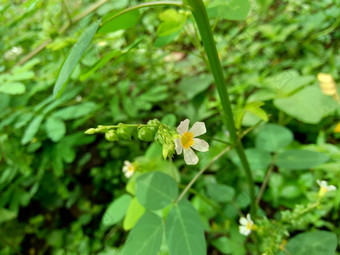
point(111, 136)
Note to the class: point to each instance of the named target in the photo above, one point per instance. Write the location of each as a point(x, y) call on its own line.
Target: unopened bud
point(123, 132)
point(111, 136)
point(90, 131)
point(146, 134)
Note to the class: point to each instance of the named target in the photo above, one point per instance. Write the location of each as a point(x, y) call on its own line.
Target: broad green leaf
point(273, 137)
point(55, 128)
point(146, 236)
point(220, 192)
point(164, 40)
point(32, 129)
point(75, 111)
point(73, 58)
point(231, 9)
point(308, 105)
point(123, 21)
point(196, 84)
point(12, 88)
point(287, 82)
point(116, 210)
point(223, 244)
point(134, 212)
point(184, 231)
point(300, 159)
point(156, 190)
point(312, 243)
point(173, 21)
point(290, 191)
point(6, 215)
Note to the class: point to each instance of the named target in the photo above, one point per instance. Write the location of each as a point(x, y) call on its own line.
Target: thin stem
point(248, 130)
point(216, 139)
point(201, 172)
point(201, 17)
point(217, 208)
point(265, 182)
point(139, 6)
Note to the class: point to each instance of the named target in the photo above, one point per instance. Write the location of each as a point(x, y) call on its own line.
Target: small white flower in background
point(246, 225)
point(128, 169)
point(187, 141)
point(12, 53)
point(324, 187)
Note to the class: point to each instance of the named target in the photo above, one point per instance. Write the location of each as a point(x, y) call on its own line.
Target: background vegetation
point(56, 182)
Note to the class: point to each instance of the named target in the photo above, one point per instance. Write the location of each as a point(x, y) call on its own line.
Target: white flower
point(246, 225)
point(324, 187)
point(187, 141)
point(128, 169)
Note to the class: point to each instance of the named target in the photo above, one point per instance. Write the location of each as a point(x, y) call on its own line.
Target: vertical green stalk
point(200, 14)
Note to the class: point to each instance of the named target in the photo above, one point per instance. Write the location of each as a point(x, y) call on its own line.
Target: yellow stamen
point(187, 140)
point(249, 225)
point(322, 191)
point(131, 168)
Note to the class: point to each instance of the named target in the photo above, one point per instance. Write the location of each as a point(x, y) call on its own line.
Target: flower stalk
point(202, 21)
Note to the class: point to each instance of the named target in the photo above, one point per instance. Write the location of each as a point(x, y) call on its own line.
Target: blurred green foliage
point(59, 188)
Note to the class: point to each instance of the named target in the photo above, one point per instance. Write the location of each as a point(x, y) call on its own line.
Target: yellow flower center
point(249, 225)
point(187, 140)
point(131, 168)
point(322, 191)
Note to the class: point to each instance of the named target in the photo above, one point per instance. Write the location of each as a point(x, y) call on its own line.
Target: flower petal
point(249, 218)
point(331, 188)
point(178, 146)
point(322, 183)
point(128, 174)
point(190, 157)
point(183, 127)
point(125, 169)
point(243, 221)
point(244, 231)
point(198, 129)
point(200, 145)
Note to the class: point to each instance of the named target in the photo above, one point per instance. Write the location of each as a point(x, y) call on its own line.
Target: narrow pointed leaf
point(73, 58)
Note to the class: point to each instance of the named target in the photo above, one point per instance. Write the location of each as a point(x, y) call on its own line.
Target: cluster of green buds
point(152, 130)
point(112, 133)
point(166, 137)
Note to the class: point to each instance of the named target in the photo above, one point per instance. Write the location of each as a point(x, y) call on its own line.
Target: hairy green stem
point(202, 21)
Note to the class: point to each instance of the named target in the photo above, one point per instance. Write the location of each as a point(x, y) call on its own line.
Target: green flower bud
point(154, 122)
point(90, 131)
point(146, 134)
point(111, 136)
point(168, 149)
point(123, 132)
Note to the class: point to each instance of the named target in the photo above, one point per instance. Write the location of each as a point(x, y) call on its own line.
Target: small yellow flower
point(283, 244)
point(246, 225)
point(324, 188)
point(187, 141)
point(128, 169)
